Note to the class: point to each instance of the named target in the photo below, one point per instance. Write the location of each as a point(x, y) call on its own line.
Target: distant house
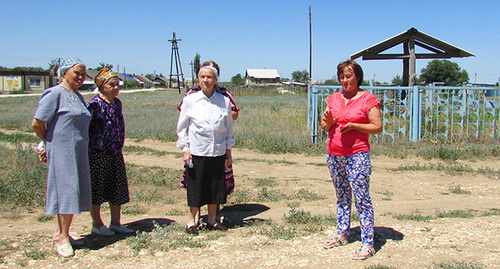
point(12, 81)
point(161, 81)
point(262, 76)
point(144, 81)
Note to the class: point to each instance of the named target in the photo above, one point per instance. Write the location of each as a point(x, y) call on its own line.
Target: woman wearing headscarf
point(62, 122)
point(351, 116)
point(204, 130)
point(229, 169)
point(107, 167)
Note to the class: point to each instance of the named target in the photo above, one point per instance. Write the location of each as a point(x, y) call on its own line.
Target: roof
point(127, 77)
point(439, 48)
point(263, 73)
point(142, 78)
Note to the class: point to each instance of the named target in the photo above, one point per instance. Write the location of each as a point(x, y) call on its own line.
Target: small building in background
point(144, 81)
point(262, 76)
point(16, 81)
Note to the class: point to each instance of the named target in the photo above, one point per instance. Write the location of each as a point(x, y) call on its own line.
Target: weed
point(269, 182)
point(22, 177)
point(175, 212)
point(416, 216)
point(35, 255)
point(492, 212)
point(265, 195)
point(378, 266)
point(459, 190)
point(18, 138)
point(308, 195)
point(165, 238)
point(317, 164)
point(457, 265)
point(386, 195)
point(45, 218)
point(240, 196)
point(305, 220)
point(275, 231)
point(134, 209)
point(447, 168)
point(154, 175)
point(457, 214)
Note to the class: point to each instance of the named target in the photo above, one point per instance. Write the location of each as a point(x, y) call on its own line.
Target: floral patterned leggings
point(351, 174)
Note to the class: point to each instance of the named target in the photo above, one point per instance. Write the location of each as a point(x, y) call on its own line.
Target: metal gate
point(423, 112)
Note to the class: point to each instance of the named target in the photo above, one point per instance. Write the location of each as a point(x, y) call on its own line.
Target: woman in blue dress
point(62, 122)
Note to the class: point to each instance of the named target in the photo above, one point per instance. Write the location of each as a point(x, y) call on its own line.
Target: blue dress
point(66, 145)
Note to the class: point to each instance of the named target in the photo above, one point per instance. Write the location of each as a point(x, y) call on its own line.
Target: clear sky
point(244, 34)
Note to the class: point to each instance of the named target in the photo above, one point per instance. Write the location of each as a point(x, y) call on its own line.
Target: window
point(35, 81)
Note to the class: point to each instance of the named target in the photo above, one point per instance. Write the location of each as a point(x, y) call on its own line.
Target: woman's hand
point(229, 158)
point(42, 156)
point(186, 157)
point(328, 120)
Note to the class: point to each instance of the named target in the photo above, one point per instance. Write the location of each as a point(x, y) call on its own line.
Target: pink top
point(344, 144)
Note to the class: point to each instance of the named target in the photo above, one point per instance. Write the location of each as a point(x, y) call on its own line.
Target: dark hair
point(212, 64)
point(356, 68)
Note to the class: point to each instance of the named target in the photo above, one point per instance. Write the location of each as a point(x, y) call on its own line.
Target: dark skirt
point(108, 179)
point(206, 181)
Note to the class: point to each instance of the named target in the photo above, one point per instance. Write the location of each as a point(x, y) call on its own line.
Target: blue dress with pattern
point(68, 178)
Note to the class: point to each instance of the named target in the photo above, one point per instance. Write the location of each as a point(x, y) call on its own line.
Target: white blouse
point(205, 125)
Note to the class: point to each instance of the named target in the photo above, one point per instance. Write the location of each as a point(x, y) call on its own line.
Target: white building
point(262, 76)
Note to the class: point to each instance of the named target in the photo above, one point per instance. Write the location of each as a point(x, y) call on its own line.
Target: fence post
point(313, 112)
point(416, 108)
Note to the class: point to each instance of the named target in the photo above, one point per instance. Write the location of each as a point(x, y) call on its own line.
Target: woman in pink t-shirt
point(351, 116)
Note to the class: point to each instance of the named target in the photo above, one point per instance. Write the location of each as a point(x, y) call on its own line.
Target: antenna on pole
point(178, 67)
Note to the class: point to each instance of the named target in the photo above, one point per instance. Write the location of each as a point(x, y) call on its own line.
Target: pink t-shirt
point(344, 144)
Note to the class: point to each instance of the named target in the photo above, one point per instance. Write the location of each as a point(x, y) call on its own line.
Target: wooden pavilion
point(437, 49)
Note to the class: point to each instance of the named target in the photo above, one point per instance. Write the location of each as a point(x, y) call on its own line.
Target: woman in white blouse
point(205, 135)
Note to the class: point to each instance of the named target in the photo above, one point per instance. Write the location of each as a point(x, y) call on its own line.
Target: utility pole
point(192, 72)
point(310, 47)
point(178, 67)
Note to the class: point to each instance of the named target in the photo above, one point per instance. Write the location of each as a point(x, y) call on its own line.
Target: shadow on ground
point(382, 234)
point(237, 215)
point(95, 242)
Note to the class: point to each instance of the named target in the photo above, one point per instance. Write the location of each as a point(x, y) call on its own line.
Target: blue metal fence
point(415, 113)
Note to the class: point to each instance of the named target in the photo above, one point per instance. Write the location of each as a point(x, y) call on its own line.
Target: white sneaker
point(103, 230)
point(120, 229)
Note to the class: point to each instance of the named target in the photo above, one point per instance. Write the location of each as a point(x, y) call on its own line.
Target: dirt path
point(401, 243)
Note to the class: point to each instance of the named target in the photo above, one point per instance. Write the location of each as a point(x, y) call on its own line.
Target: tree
point(54, 65)
point(332, 81)
point(300, 76)
point(397, 80)
point(102, 65)
point(238, 79)
point(197, 64)
point(444, 71)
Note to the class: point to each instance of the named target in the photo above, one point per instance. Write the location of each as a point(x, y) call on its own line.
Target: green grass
point(22, 177)
point(165, 238)
point(307, 222)
point(457, 265)
point(459, 190)
point(305, 194)
point(449, 168)
point(415, 216)
point(265, 195)
point(268, 182)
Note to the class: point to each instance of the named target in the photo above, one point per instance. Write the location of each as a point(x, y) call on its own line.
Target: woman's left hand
point(42, 156)
point(229, 158)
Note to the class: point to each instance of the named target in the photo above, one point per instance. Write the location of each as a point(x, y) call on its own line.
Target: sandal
point(336, 241)
point(192, 230)
point(358, 254)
